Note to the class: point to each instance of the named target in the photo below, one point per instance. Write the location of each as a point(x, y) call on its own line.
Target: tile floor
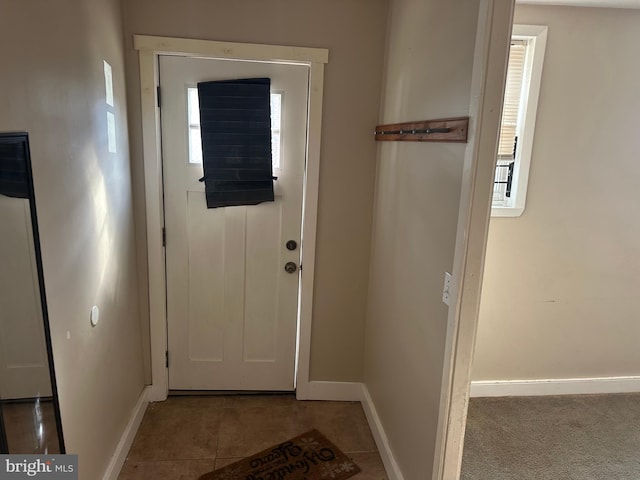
point(185, 437)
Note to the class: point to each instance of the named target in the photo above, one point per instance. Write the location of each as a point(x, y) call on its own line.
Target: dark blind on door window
point(235, 123)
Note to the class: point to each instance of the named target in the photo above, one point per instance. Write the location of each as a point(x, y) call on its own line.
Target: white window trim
point(537, 36)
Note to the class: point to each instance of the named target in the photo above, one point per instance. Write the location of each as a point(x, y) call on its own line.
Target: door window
point(193, 117)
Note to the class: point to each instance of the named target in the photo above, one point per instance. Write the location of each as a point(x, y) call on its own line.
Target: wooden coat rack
point(443, 130)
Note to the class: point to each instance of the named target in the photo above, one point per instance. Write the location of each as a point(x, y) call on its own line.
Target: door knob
point(291, 245)
point(290, 267)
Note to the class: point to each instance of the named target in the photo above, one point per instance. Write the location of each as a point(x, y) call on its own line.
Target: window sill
point(506, 211)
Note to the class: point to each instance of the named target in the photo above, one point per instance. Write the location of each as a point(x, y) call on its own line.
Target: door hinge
point(166, 358)
point(158, 95)
point(164, 237)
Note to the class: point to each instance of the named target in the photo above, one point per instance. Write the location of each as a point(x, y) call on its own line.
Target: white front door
point(231, 306)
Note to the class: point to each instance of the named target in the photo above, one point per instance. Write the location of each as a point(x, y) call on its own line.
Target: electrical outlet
point(447, 288)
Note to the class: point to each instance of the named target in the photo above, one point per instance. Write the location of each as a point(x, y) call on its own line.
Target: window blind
point(235, 125)
point(512, 99)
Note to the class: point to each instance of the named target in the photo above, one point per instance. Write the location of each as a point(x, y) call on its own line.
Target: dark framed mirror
point(29, 407)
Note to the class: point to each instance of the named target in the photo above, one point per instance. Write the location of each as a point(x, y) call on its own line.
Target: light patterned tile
point(343, 423)
point(180, 428)
point(245, 431)
point(371, 465)
point(223, 462)
point(265, 401)
point(166, 470)
point(186, 437)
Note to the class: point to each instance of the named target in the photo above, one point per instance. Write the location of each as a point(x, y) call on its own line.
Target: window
point(193, 107)
point(195, 144)
point(276, 122)
point(518, 120)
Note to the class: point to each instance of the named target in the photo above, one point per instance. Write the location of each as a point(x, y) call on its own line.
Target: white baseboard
point(390, 465)
point(556, 386)
point(331, 391)
point(122, 449)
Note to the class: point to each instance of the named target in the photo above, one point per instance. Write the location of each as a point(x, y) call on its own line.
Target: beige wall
point(52, 86)
point(354, 32)
point(561, 281)
point(428, 75)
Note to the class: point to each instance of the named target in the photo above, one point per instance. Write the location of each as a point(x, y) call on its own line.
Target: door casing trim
point(493, 36)
point(149, 49)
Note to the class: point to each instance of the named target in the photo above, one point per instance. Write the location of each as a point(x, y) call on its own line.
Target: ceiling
point(586, 3)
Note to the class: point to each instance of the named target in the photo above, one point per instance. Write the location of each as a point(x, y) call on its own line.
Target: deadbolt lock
point(291, 245)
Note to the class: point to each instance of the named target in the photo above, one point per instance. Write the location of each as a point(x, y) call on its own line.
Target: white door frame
point(149, 49)
point(493, 37)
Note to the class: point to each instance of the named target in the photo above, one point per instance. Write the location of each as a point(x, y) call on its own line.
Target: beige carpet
point(595, 437)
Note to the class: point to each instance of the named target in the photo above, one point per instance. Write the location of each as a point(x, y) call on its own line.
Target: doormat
point(309, 456)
